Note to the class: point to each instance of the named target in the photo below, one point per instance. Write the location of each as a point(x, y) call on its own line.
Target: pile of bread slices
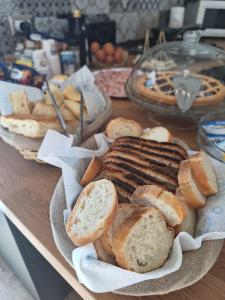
point(33, 119)
point(139, 196)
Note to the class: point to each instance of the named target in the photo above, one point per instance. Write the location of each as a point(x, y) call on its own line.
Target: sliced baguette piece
point(189, 223)
point(33, 126)
point(192, 195)
point(67, 114)
point(204, 173)
point(74, 107)
point(102, 254)
point(20, 103)
point(123, 212)
point(93, 212)
point(58, 95)
point(91, 171)
point(71, 93)
point(123, 127)
point(167, 203)
point(43, 109)
point(158, 134)
point(143, 242)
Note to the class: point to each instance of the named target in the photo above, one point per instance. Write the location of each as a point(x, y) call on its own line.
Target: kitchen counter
point(26, 188)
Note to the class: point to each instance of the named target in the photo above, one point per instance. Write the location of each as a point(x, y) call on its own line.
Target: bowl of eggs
point(108, 55)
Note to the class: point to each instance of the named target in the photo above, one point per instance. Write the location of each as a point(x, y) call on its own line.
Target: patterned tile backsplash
point(132, 16)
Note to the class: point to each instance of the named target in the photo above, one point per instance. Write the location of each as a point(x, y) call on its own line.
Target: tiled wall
point(132, 16)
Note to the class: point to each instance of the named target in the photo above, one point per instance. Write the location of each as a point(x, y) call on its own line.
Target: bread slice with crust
point(20, 103)
point(91, 171)
point(167, 203)
point(204, 173)
point(158, 134)
point(191, 193)
point(123, 212)
point(189, 223)
point(143, 243)
point(34, 126)
point(102, 254)
point(123, 127)
point(93, 212)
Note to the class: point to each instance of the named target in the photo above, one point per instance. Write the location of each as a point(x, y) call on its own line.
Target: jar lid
point(77, 13)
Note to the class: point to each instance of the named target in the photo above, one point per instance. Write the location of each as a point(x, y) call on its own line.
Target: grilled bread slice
point(143, 242)
point(153, 196)
point(204, 174)
point(192, 195)
point(93, 212)
point(123, 127)
point(158, 134)
point(160, 146)
point(123, 212)
point(189, 223)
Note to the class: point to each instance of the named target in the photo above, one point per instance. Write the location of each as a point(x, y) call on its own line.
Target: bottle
point(50, 49)
point(79, 33)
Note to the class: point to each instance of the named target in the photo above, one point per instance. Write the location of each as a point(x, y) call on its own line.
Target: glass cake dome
point(179, 82)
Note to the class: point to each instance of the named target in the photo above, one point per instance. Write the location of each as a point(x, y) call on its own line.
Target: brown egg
point(119, 55)
point(109, 60)
point(109, 49)
point(100, 55)
point(95, 46)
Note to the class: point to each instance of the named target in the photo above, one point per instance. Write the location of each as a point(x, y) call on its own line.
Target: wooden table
point(26, 189)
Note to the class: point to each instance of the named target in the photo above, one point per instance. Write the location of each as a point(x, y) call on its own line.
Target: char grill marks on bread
point(133, 162)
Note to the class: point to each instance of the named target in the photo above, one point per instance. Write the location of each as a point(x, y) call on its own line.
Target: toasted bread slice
point(158, 134)
point(20, 103)
point(123, 127)
point(71, 93)
point(102, 254)
point(153, 144)
point(192, 195)
point(143, 242)
point(153, 196)
point(123, 212)
point(33, 126)
point(43, 109)
point(74, 107)
point(91, 171)
point(56, 92)
point(204, 174)
point(93, 212)
point(189, 223)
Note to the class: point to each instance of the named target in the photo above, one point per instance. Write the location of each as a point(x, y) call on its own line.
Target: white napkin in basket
point(102, 277)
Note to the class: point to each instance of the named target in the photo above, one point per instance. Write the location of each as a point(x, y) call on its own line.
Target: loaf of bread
point(123, 127)
point(91, 171)
point(191, 193)
point(143, 242)
point(204, 173)
point(33, 126)
point(123, 212)
point(93, 212)
point(43, 109)
point(158, 134)
point(20, 103)
point(153, 196)
point(71, 93)
point(189, 223)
